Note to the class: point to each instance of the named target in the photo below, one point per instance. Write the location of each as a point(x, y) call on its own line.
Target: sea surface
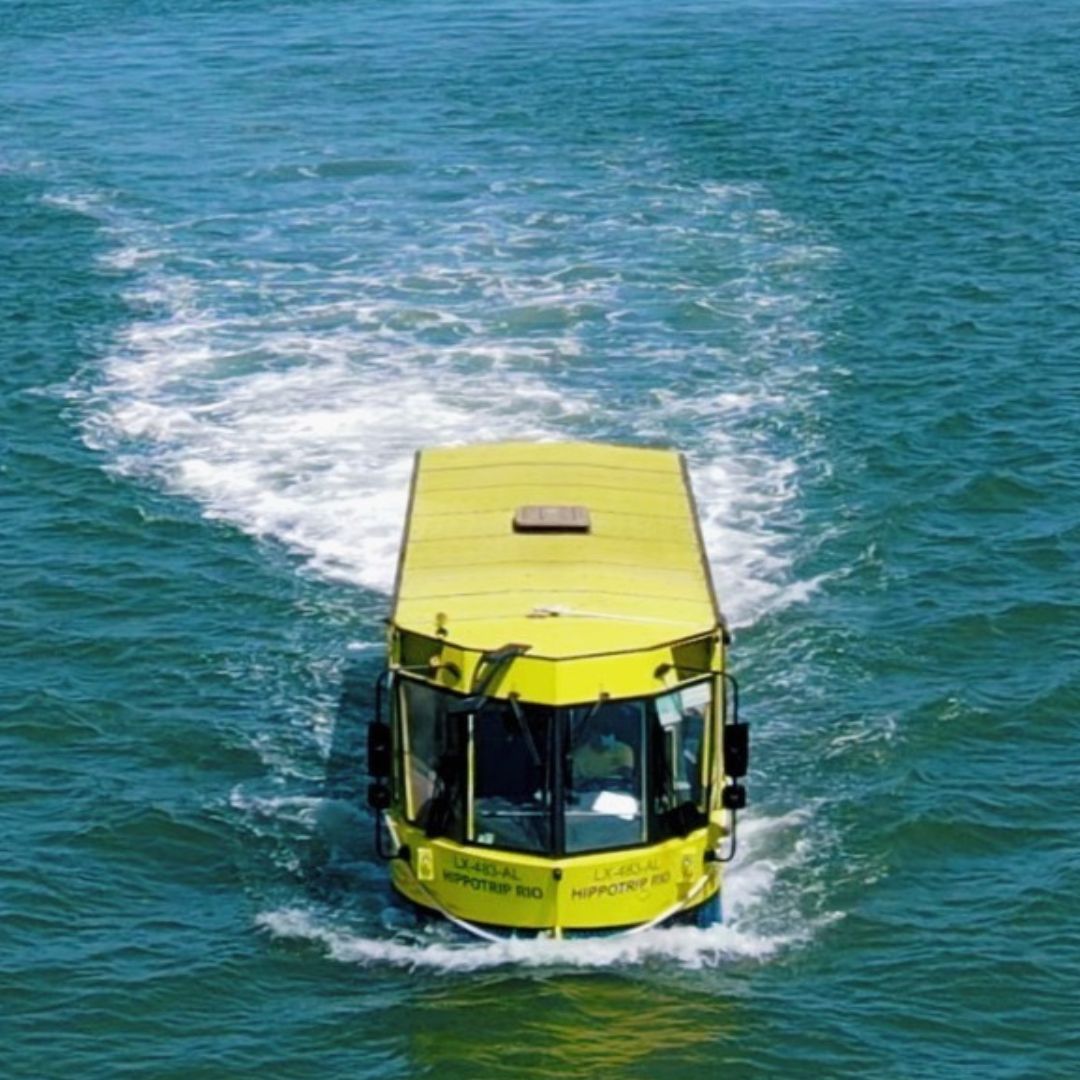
point(253, 254)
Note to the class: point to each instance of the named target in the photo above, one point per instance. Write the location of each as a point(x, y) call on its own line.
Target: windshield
point(612, 774)
point(605, 776)
point(512, 776)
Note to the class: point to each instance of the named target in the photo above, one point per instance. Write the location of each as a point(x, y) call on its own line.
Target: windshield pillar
point(558, 788)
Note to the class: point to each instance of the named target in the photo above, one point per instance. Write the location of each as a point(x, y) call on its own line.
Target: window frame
point(652, 746)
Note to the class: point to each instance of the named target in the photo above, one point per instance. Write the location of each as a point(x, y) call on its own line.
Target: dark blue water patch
point(123, 628)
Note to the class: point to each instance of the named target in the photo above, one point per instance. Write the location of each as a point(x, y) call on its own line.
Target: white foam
point(88, 203)
point(293, 409)
point(296, 809)
point(687, 946)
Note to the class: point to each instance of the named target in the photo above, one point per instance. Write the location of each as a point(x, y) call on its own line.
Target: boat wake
point(685, 945)
point(287, 394)
point(776, 851)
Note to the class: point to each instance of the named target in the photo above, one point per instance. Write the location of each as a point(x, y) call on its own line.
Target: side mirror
point(733, 797)
point(736, 749)
point(378, 750)
point(378, 797)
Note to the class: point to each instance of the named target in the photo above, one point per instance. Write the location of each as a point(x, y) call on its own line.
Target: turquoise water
point(255, 253)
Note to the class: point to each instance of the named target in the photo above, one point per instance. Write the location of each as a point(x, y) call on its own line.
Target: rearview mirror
point(736, 749)
point(378, 750)
point(733, 797)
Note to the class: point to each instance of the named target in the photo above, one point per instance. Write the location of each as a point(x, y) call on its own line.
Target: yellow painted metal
point(598, 891)
point(635, 580)
point(568, 681)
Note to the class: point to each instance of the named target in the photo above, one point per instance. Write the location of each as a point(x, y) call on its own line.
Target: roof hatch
point(547, 519)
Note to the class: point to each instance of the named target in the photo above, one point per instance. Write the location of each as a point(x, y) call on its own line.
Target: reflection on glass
point(435, 776)
point(512, 776)
point(678, 789)
point(605, 779)
point(629, 772)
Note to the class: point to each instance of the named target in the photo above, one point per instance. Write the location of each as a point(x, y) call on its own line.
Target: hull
point(601, 892)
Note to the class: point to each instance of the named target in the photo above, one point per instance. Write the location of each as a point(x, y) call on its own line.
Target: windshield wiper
point(587, 719)
point(490, 665)
point(519, 716)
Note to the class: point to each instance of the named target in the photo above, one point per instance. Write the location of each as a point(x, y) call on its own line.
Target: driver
point(605, 759)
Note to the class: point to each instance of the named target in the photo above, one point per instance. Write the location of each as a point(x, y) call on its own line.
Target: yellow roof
point(636, 579)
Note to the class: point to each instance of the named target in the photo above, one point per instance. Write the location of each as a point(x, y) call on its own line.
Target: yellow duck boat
point(556, 745)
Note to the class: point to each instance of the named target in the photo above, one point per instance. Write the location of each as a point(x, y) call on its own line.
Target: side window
point(677, 789)
point(434, 760)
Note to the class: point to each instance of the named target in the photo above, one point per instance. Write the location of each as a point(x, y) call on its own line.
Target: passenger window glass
point(512, 785)
point(435, 774)
point(605, 779)
point(632, 771)
point(678, 789)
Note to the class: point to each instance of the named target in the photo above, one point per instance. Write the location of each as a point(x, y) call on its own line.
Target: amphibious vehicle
point(556, 747)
